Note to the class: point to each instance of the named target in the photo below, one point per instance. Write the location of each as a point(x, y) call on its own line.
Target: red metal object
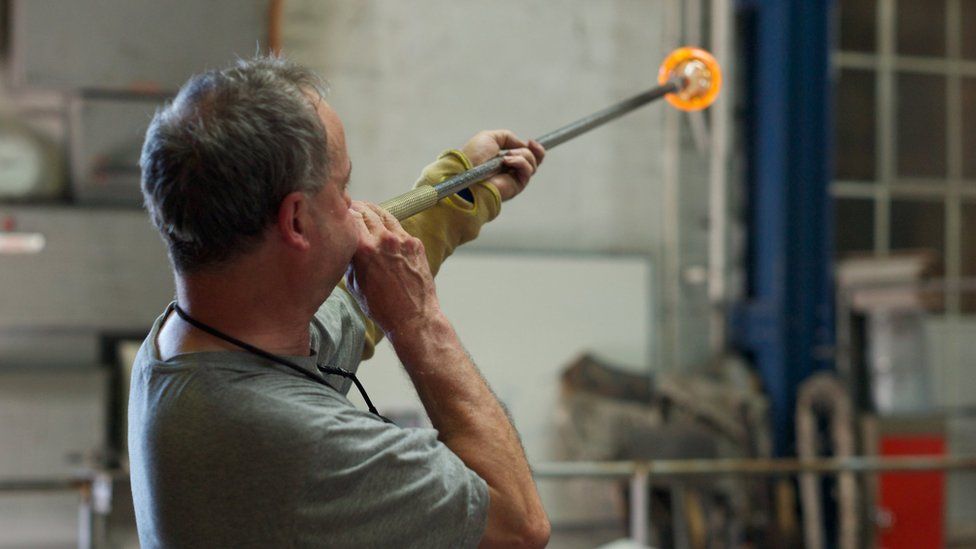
point(911, 506)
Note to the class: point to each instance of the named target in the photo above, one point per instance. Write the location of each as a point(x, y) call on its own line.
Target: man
point(240, 434)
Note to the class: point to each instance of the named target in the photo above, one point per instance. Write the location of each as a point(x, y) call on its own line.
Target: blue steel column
point(786, 324)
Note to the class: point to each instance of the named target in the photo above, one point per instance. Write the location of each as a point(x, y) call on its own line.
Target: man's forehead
point(328, 116)
point(334, 130)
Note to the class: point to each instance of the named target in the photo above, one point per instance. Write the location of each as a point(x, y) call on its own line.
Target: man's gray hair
point(220, 158)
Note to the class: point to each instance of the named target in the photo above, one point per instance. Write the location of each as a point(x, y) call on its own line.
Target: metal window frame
point(955, 191)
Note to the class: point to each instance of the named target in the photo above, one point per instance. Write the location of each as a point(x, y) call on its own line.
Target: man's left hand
point(520, 160)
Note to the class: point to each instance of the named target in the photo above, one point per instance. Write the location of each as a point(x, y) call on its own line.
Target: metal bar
point(885, 127)
point(902, 187)
point(552, 139)
point(639, 509)
point(679, 517)
point(853, 190)
point(557, 137)
point(600, 118)
point(101, 505)
point(62, 484)
point(953, 204)
point(906, 63)
point(954, 158)
point(669, 285)
point(719, 116)
point(86, 516)
point(915, 187)
point(43, 485)
point(967, 284)
point(759, 467)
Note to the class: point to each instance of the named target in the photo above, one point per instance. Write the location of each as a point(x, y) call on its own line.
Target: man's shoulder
point(215, 393)
point(339, 313)
point(338, 334)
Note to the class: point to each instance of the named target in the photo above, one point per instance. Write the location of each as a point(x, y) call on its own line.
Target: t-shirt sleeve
point(382, 486)
point(338, 334)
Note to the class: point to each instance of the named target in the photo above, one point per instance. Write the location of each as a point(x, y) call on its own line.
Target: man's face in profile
point(338, 232)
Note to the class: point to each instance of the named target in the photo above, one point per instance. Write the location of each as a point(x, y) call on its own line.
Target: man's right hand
point(389, 275)
point(391, 280)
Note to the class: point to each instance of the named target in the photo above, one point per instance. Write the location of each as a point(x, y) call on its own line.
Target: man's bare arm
point(392, 281)
point(474, 425)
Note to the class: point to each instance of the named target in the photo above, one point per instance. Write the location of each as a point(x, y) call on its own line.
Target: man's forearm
point(439, 366)
point(470, 420)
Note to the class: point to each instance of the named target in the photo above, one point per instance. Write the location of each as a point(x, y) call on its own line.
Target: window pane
point(968, 240)
point(855, 125)
point(853, 225)
point(921, 27)
point(858, 25)
point(969, 127)
point(968, 28)
point(920, 225)
point(917, 224)
point(921, 125)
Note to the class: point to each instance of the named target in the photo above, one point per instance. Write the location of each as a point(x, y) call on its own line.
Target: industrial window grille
point(905, 107)
point(905, 74)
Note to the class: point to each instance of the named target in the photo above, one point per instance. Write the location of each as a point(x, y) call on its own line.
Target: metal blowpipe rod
point(687, 73)
point(421, 198)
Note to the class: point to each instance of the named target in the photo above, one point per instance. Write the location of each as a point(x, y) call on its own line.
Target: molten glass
point(699, 74)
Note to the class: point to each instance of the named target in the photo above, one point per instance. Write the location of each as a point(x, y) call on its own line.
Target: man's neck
point(240, 303)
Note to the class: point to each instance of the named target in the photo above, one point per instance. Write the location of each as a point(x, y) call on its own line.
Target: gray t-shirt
point(228, 449)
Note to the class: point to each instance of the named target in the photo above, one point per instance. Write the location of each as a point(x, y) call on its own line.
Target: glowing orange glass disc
point(701, 73)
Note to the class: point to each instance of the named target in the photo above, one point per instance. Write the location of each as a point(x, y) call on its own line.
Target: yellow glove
point(444, 227)
point(454, 220)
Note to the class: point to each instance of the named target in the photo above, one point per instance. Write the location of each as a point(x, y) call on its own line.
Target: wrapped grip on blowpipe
point(410, 203)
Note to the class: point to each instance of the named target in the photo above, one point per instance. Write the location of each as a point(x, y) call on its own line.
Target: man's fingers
point(386, 218)
point(356, 210)
point(358, 220)
point(538, 150)
point(370, 219)
point(520, 168)
point(506, 139)
point(526, 154)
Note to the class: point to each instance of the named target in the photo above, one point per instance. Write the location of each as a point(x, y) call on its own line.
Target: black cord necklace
point(279, 360)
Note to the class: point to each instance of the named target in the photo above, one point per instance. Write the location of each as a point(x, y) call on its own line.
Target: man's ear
point(295, 220)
